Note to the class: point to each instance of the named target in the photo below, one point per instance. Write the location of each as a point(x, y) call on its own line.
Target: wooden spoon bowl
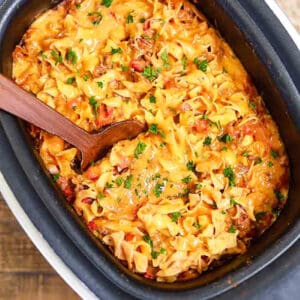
point(18, 102)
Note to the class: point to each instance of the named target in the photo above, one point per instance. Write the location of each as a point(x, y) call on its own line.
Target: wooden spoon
point(18, 102)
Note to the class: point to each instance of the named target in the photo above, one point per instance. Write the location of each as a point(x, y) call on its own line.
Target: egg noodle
point(211, 172)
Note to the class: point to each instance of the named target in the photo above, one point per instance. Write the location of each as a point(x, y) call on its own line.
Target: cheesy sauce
point(211, 172)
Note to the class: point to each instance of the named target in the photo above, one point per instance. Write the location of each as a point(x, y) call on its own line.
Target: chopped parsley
point(228, 172)
point(150, 73)
point(124, 68)
point(42, 55)
point(95, 105)
point(216, 124)
point(201, 65)
point(175, 216)
point(72, 56)
point(100, 195)
point(153, 128)
point(97, 17)
point(158, 189)
point(165, 58)
point(155, 254)
point(233, 202)
point(129, 19)
point(78, 6)
point(142, 20)
point(224, 148)
point(232, 229)
point(109, 185)
point(119, 181)
point(246, 154)
point(184, 62)
point(106, 3)
point(274, 153)
point(55, 177)
point(152, 99)
point(226, 138)
point(116, 51)
point(258, 161)
point(187, 179)
point(251, 105)
point(86, 77)
point(128, 182)
point(207, 141)
point(70, 80)
point(100, 84)
point(191, 166)
point(197, 225)
point(279, 195)
point(147, 239)
point(140, 148)
point(57, 57)
point(270, 164)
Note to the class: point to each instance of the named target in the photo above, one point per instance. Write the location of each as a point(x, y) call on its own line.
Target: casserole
point(263, 81)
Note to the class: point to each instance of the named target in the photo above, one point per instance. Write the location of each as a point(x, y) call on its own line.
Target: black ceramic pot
point(271, 58)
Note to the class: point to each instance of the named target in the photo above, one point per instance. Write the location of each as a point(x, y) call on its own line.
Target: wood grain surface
point(24, 273)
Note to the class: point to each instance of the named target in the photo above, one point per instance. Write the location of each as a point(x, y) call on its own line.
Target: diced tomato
point(93, 173)
point(146, 25)
point(200, 126)
point(138, 65)
point(92, 225)
point(129, 236)
point(170, 83)
point(149, 275)
point(67, 187)
point(87, 200)
point(105, 116)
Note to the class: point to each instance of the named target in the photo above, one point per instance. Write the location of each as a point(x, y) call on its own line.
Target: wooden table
point(24, 273)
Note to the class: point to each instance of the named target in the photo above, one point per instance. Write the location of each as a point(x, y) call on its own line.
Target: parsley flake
point(140, 148)
point(165, 58)
point(129, 19)
point(232, 229)
point(201, 65)
point(128, 182)
point(152, 99)
point(100, 84)
point(106, 3)
point(274, 153)
point(207, 141)
point(95, 105)
point(175, 216)
point(70, 80)
point(158, 189)
point(226, 138)
point(116, 51)
point(228, 172)
point(57, 57)
point(191, 166)
point(279, 195)
point(187, 179)
point(72, 56)
point(55, 177)
point(150, 73)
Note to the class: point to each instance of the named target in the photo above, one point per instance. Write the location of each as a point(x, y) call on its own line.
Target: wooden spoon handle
point(20, 103)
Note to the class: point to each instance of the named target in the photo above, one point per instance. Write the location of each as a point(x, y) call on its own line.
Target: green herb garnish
point(116, 51)
point(165, 58)
point(232, 229)
point(187, 179)
point(129, 19)
point(95, 105)
point(150, 73)
point(70, 80)
point(201, 65)
point(226, 138)
point(140, 148)
point(207, 141)
point(228, 172)
point(57, 57)
point(158, 189)
point(106, 3)
point(175, 216)
point(191, 166)
point(72, 56)
point(55, 177)
point(128, 182)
